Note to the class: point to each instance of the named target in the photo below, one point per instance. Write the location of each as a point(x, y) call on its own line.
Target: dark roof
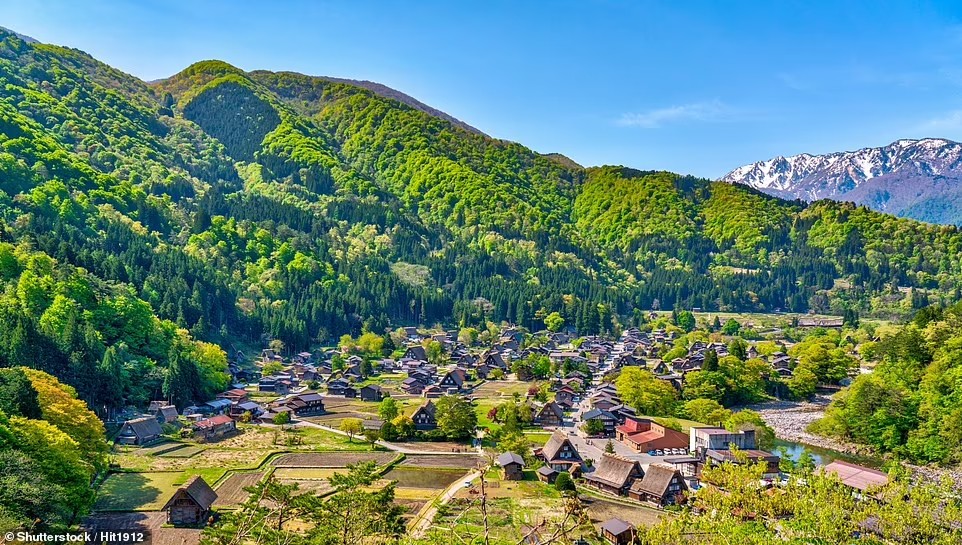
point(307, 398)
point(552, 407)
point(616, 526)
point(597, 413)
point(198, 490)
point(510, 458)
point(144, 426)
point(554, 444)
point(656, 480)
point(546, 471)
point(458, 378)
point(428, 408)
point(417, 352)
point(374, 387)
point(613, 470)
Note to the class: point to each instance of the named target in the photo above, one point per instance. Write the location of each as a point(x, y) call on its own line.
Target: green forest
point(225, 207)
point(911, 405)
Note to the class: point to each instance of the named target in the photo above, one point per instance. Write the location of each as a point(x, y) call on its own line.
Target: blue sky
point(694, 87)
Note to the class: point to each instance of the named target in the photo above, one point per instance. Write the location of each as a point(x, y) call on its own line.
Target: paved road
point(595, 450)
point(427, 516)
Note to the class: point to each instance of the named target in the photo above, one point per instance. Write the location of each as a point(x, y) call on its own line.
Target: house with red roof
point(644, 435)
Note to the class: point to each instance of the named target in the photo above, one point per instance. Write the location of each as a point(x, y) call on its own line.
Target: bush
point(564, 482)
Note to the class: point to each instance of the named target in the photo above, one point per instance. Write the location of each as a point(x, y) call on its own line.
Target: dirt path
point(390, 446)
point(425, 519)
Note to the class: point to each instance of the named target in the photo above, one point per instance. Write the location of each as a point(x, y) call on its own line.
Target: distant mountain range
point(919, 179)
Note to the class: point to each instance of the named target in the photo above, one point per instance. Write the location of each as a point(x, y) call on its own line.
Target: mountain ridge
point(916, 178)
point(243, 205)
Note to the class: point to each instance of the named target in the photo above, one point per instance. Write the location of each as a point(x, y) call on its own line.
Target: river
point(790, 420)
point(822, 455)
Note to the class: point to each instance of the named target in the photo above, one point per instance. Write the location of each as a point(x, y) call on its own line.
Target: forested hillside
point(51, 447)
point(912, 404)
point(234, 205)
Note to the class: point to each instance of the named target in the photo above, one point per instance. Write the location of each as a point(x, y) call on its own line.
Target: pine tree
point(711, 361)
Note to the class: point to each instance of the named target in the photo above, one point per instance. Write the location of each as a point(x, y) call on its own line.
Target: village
point(435, 417)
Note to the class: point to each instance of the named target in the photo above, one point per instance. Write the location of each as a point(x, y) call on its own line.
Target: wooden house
point(236, 395)
point(565, 397)
point(214, 427)
point(433, 392)
point(550, 414)
point(512, 466)
point(412, 386)
point(453, 380)
point(371, 392)
point(560, 454)
point(309, 404)
point(416, 352)
point(165, 414)
point(614, 474)
point(139, 431)
point(608, 420)
point(190, 505)
point(424, 417)
point(662, 485)
point(303, 358)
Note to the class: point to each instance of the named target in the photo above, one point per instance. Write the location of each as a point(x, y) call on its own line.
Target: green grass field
point(136, 491)
point(421, 477)
point(685, 424)
point(146, 491)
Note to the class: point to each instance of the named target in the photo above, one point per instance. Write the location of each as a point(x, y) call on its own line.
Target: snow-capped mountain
point(921, 179)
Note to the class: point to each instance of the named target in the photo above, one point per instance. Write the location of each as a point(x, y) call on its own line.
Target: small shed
point(190, 504)
point(617, 532)
point(546, 474)
point(512, 466)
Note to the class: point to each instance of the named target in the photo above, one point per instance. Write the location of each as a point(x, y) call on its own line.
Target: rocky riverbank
point(790, 420)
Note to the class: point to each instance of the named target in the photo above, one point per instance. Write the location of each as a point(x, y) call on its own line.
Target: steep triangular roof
point(614, 470)
point(144, 426)
point(552, 408)
point(656, 480)
point(555, 443)
point(198, 490)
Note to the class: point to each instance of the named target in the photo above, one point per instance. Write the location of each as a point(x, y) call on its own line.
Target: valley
point(267, 307)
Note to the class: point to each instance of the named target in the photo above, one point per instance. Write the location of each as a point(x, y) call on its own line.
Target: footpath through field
point(426, 517)
point(390, 446)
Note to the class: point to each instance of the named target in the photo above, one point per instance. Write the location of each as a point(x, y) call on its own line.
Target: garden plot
point(424, 478)
point(331, 459)
point(231, 490)
point(466, 461)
